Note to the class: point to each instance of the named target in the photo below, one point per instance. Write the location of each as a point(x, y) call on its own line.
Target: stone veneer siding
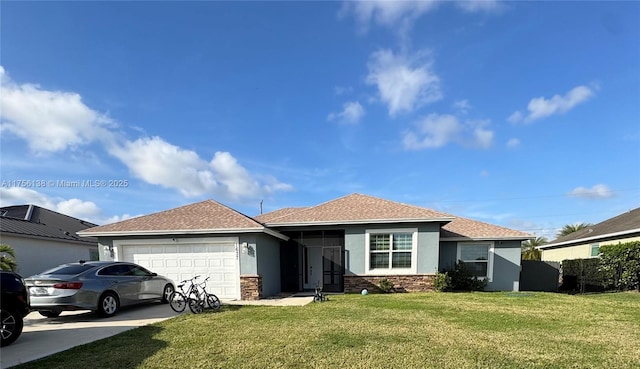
point(401, 283)
point(250, 287)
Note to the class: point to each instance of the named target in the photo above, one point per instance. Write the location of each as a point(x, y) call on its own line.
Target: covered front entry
point(318, 257)
point(323, 268)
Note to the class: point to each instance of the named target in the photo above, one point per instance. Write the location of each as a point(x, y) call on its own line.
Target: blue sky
point(522, 114)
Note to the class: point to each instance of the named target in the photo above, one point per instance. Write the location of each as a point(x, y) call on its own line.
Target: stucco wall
point(427, 252)
point(35, 255)
point(582, 250)
point(506, 263)
point(268, 255)
point(506, 266)
point(572, 252)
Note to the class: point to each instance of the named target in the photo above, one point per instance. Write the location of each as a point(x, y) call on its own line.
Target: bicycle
point(178, 300)
point(201, 296)
point(318, 295)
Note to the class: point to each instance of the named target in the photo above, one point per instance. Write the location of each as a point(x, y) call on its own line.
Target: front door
point(313, 268)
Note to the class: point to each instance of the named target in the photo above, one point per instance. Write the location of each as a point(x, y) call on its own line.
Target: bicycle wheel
point(177, 301)
point(196, 305)
point(213, 301)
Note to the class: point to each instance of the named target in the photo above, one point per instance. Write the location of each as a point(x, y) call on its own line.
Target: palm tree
point(529, 251)
point(570, 228)
point(8, 258)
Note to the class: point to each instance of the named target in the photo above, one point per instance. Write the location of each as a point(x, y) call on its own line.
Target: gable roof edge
point(360, 221)
point(586, 239)
point(183, 232)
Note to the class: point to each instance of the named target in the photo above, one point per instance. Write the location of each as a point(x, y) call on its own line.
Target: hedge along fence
point(582, 275)
point(617, 268)
point(620, 266)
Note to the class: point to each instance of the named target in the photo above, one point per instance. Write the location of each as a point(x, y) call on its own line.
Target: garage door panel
point(216, 261)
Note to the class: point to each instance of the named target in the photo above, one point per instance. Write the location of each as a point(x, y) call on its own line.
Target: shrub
point(385, 285)
point(582, 275)
point(442, 282)
point(620, 265)
point(461, 279)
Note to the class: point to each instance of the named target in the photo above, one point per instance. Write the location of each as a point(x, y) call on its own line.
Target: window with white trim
point(391, 250)
point(595, 249)
point(477, 258)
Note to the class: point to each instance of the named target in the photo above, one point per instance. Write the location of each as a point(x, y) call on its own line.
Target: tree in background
point(570, 228)
point(529, 251)
point(8, 258)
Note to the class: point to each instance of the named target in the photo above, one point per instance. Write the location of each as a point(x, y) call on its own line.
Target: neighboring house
point(43, 239)
point(586, 242)
point(342, 245)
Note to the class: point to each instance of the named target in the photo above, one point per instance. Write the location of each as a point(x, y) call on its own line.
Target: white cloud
point(50, 121)
point(81, 209)
point(78, 208)
point(405, 82)
point(437, 130)
point(55, 121)
point(478, 5)
point(396, 15)
point(482, 137)
point(342, 90)
point(541, 107)
point(599, 191)
point(513, 143)
point(161, 163)
point(351, 112)
point(462, 106)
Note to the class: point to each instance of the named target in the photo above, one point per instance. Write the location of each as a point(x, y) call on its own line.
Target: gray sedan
point(101, 286)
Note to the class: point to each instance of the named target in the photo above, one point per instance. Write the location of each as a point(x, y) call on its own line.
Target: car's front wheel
point(10, 326)
point(168, 290)
point(108, 304)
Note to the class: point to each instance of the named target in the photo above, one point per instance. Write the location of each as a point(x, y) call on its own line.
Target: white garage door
point(183, 260)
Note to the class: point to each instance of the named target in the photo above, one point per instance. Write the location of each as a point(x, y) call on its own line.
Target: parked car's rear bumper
point(60, 303)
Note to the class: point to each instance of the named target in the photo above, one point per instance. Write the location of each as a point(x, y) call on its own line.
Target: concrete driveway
point(45, 336)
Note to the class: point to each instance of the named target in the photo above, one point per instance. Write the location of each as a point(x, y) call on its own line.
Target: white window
point(391, 251)
point(477, 259)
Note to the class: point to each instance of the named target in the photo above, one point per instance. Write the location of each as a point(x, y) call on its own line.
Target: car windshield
point(69, 269)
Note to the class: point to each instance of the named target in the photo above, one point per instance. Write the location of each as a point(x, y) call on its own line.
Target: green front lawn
point(418, 330)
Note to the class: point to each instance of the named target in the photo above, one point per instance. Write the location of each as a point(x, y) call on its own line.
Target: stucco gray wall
point(268, 252)
point(428, 247)
point(248, 260)
point(448, 255)
point(506, 264)
point(35, 255)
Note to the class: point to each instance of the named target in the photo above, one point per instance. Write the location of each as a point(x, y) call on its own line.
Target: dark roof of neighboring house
point(203, 217)
point(35, 221)
point(621, 225)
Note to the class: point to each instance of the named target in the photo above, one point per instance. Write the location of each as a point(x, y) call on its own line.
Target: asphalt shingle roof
point(624, 222)
point(357, 207)
point(205, 215)
point(473, 229)
point(353, 208)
